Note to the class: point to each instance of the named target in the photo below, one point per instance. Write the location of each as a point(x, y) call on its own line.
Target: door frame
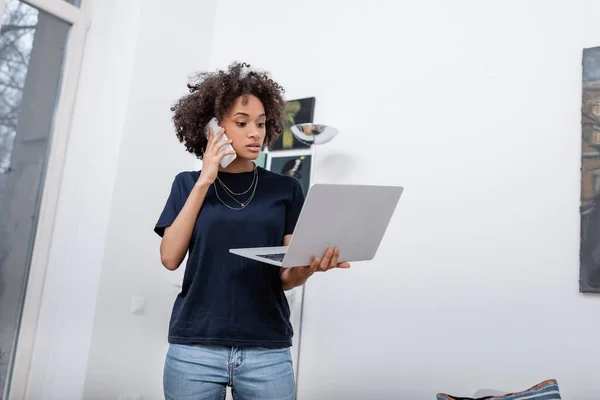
point(17, 384)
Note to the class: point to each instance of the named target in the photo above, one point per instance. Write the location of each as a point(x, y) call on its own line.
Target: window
point(35, 46)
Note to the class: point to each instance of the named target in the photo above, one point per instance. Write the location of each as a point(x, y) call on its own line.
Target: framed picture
point(298, 166)
point(297, 112)
point(589, 252)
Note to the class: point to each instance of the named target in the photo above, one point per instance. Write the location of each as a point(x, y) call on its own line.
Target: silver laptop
point(353, 218)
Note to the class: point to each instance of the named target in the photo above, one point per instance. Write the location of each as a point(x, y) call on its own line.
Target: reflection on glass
point(310, 133)
point(16, 37)
point(31, 57)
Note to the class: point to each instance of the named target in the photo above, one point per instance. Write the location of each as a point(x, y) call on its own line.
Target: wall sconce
point(310, 133)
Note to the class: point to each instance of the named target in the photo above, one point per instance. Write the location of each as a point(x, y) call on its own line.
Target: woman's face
point(245, 126)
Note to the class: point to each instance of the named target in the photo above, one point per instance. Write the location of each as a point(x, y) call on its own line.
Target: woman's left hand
point(329, 261)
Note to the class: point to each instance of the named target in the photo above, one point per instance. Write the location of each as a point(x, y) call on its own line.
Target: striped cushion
point(547, 390)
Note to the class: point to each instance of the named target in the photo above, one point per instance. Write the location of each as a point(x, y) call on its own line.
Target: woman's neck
point(239, 165)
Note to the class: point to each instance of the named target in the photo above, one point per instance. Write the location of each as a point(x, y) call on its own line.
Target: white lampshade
point(310, 133)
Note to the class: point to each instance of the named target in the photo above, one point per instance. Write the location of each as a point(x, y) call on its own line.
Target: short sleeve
point(172, 207)
point(294, 208)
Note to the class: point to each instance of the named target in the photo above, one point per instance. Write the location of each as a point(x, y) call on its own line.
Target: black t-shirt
point(226, 299)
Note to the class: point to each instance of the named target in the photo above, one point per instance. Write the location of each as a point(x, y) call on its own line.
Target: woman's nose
point(254, 133)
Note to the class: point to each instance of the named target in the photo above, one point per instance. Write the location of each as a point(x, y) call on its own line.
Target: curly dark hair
point(212, 94)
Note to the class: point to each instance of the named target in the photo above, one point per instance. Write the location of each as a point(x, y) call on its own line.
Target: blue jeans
point(203, 372)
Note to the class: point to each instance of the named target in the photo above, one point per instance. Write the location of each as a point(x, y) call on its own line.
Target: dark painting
point(296, 166)
point(298, 111)
point(589, 279)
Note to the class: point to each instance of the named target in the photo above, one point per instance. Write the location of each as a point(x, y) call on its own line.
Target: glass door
point(37, 72)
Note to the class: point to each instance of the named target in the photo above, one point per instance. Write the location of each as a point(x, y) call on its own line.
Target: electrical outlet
point(138, 306)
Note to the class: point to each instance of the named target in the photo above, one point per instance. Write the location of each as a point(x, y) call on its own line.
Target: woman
point(230, 323)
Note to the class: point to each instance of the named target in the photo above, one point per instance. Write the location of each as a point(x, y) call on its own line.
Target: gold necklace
point(243, 205)
point(245, 191)
point(233, 198)
point(231, 193)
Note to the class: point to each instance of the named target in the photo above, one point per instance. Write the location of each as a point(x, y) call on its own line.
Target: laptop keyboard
point(274, 257)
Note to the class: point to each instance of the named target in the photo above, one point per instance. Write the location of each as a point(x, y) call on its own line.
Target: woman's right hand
point(212, 158)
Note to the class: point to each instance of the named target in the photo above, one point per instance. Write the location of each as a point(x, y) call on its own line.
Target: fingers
point(212, 138)
point(331, 260)
point(326, 261)
point(314, 265)
point(223, 154)
point(213, 146)
point(211, 135)
point(308, 270)
point(221, 144)
point(334, 258)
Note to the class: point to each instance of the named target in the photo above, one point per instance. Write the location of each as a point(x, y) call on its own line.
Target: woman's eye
point(241, 124)
point(261, 125)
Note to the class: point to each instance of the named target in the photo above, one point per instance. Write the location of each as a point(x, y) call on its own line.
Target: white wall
point(127, 351)
point(475, 108)
point(65, 324)
point(122, 158)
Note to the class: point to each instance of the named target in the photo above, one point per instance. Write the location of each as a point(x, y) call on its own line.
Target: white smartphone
point(228, 159)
